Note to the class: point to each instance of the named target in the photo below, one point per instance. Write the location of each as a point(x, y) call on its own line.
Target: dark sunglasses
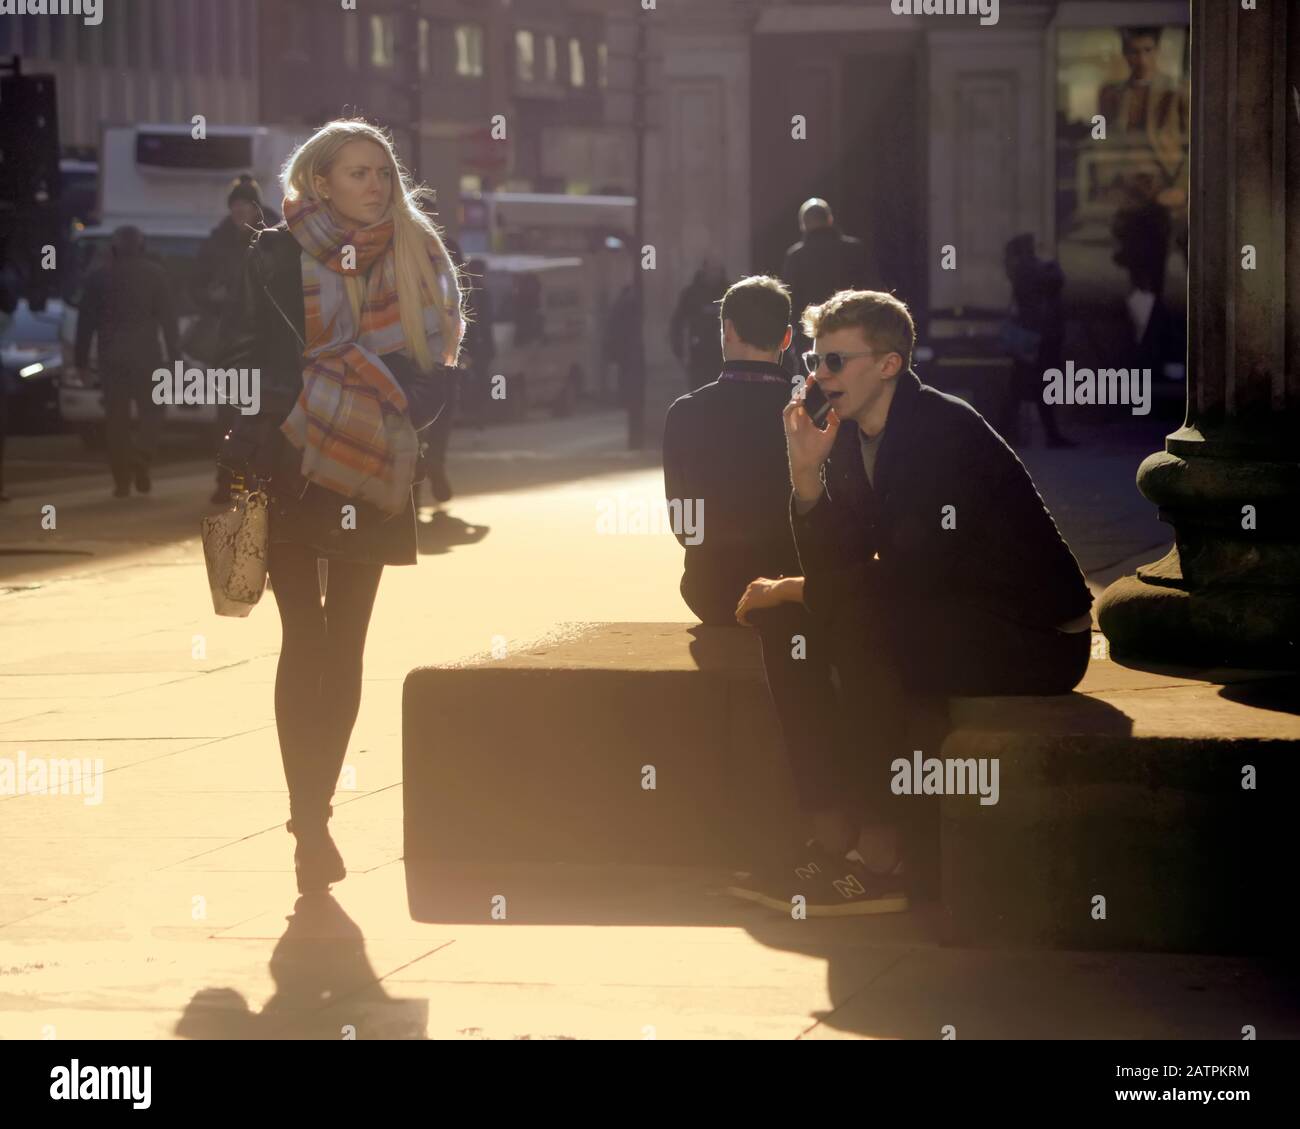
point(834, 361)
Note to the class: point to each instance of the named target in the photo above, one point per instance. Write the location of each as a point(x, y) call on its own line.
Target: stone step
point(1129, 789)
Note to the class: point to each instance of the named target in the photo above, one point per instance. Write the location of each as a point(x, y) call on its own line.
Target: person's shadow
point(319, 962)
point(441, 533)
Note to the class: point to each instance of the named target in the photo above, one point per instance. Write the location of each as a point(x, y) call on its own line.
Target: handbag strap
point(263, 277)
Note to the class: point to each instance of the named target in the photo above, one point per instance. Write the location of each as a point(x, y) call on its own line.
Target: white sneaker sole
point(890, 903)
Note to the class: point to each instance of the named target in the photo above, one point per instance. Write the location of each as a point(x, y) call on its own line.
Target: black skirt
point(305, 513)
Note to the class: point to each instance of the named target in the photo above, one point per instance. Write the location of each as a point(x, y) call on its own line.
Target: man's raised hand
point(807, 445)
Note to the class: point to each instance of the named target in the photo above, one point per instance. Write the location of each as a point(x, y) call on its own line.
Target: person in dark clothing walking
point(126, 303)
point(341, 489)
point(1037, 339)
point(439, 433)
point(693, 330)
point(8, 304)
point(479, 345)
point(932, 565)
point(218, 273)
point(623, 340)
point(824, 262)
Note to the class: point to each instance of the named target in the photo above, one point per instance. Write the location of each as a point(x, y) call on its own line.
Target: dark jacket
point(1115, 343)
point(824, 262)
point(125, 303)
point(725, 444)
point(694, 333)
point(257, 336)
point(1037, 286)
point(1004, 555)
point(219, 267)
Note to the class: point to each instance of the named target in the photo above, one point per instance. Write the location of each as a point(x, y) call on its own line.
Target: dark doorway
point(864, 102)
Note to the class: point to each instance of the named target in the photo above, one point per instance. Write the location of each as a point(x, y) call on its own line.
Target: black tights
point(318, 680)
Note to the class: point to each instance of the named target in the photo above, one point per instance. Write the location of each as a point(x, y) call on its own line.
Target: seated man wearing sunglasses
point(934, 566)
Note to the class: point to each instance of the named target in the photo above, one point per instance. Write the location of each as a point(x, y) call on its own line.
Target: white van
point(173, 187)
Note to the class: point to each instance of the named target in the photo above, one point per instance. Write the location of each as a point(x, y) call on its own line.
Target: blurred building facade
point(923, 131)
point(145, 61)
point(438, 72)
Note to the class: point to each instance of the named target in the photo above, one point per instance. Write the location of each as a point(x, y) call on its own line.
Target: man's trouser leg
point(955, 649)
point(4, 426)
point(873, 710)
point(796, 661)
point(889, 647)
point(117, 426)
point(150, 416)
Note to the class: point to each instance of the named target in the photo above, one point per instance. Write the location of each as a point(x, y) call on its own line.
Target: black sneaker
point(831, 886)
point(774, 886)
point(142, 483)
point(853, 889)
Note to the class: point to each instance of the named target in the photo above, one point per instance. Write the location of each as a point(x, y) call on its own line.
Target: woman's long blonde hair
point(413, 232)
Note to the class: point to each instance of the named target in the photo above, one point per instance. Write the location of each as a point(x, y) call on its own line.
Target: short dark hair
point(759, 308)
point(126, 241)
point(1130, 33)
point(884, 320)
point(815, 210)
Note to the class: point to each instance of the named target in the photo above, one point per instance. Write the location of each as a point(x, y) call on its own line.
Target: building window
point(247, 38)
point(108, 48)
point(161, 17)
point(351, 40)
point(550, 59)
point(58, 40)
point(298, 28)
point(203, 17)
point(209, 26)
point(86, 48)
point(228, 30)
point(183, 28)
point(469, 50)
point(602, 64)
point(422, 44)
point(577, 65)
point(525, 64)
point(139, 30)
point(383, 41)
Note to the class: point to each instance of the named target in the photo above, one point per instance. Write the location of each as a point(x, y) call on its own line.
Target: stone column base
point(1159, 615)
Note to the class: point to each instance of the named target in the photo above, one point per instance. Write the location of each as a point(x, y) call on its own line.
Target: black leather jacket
point(256, 336)
point(264, 330)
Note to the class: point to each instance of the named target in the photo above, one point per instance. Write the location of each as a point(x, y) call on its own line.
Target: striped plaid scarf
point(350, 420)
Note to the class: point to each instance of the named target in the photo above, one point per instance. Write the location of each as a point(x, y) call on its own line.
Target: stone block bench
point(1128, 789)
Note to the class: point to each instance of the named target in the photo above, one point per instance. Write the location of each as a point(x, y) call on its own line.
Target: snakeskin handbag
point(234, 549)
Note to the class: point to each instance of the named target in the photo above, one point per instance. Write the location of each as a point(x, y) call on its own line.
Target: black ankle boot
point(316, 860)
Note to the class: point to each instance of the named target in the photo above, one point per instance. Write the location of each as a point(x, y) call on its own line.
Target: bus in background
point(173, 187)
point(591, 236)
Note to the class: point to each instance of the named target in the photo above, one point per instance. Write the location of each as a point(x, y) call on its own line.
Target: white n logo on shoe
point(849, 885)
point(807, 871)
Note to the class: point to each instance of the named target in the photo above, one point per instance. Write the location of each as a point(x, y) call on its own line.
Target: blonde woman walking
point(351, 309)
